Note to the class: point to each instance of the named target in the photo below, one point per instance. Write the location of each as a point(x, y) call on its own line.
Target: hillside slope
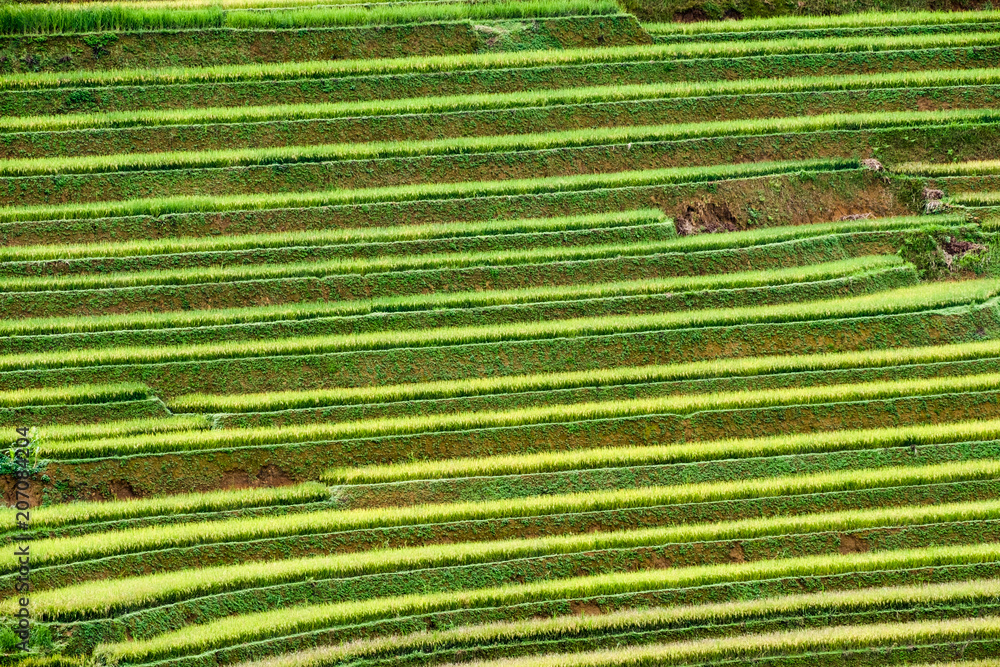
point(514, 333)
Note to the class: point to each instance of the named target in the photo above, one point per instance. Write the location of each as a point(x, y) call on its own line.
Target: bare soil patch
point(849, 544)
point(123, 490)
point(706, 218)
point(34, 491)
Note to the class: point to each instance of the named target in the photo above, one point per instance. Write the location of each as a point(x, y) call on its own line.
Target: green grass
point(227, 4)
point(787, 643)
point(909, 299)
point(531, 98)
point(37, 19)
point(298, 311)
point(830, 602)
point(122, 428)
point(745, 366)
point(74, 549)
point(970, 168)
point(250, 627)
point(145, 247)
point(94, 599)
point(511, 59)
point(498, 143)
point(53, 516)
point(561, 413)
point(976, 198)
point(402, 262)
point(859, 20)
point(187, 204)
point(606, 457)
point(74, 395)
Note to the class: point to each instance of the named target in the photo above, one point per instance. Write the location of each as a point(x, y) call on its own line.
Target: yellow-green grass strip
point(37, 19)
point(487, 144)
point(214, 317)
point(292, 620)
point(66, 514)
point(969, 168)
point(259, 5)
point(745, 366)
point(860, 266)
point(384, 264)
point(231, 5)
point(74, 394)
point(97, 598)
point(873, 19)
point(909, 299)
point(977, 590)
point(741, 279)
point(786, 643)
point(119, 429)
point(607, 457)
point(190, 203)
point(432, 261)
point(508, 59)
point(991, 198)
point(454, 103)
point(317, 237)
point(562, 413)
point(139, 539)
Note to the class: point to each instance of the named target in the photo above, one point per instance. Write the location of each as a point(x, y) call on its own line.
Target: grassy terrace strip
point(518, 305)
point(334, 236)
point(238, 4)
point(656, 617)
point(94, 599)
point(338, 315)
point(519, 59)
point(693, 244)
point(498, 143)
point(227, 438)
point(570, 96)
point(297, 257)
point(808, 644)
point(87, 393)
point(250, 627)
point(392, 263)
point(137, 540)
point(904, 436)
point(744, 366)
point(403, 233)
point(121, 429)
point(22, 19)
point(461, 145)
point(909, 299)
point(274, 262)
point(976, 198)
point(829, 641)
point(222, 316)
point(858, 20)
point(396, 304)
point(182, 204)
point(971, 168)
point(75, 513)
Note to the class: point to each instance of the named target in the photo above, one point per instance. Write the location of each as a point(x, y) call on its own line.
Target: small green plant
point(8, 640)
point(100, 42)
point(41, 637)
point(30, 464)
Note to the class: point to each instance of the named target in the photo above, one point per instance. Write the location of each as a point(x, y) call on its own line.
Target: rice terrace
point(500, 333)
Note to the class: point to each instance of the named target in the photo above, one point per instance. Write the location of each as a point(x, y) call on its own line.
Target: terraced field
point(509, 333)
